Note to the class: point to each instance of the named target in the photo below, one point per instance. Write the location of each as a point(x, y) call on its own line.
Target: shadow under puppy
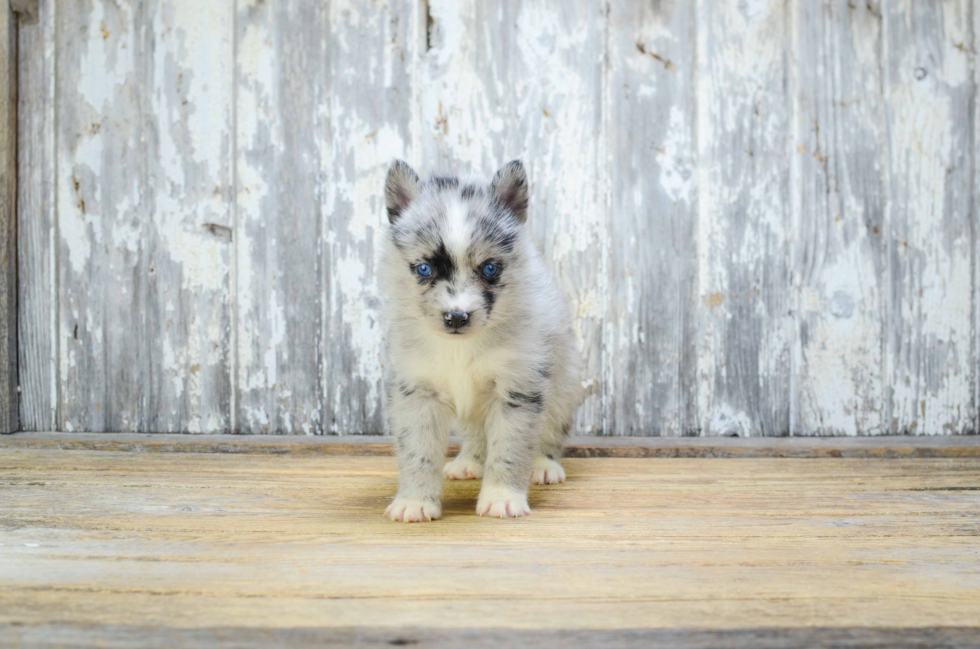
point(479, 339)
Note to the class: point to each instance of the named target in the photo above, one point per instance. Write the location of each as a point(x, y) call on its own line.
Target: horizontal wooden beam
point(653, 447)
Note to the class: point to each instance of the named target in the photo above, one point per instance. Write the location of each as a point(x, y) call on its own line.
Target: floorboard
point(108, 548)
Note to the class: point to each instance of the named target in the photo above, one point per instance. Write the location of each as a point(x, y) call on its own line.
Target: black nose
point(456, 319)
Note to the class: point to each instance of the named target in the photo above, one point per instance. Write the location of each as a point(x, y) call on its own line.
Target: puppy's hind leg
point(468, 465)
point(547, 465)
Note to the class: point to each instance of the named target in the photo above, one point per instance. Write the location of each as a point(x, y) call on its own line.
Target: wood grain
point(187, 242)
point(37, 231)
point(651, 322)
point(310, 159)
point(280, 49)
point(9, 392)
point(975, 226)
point(931, 252)
point(745, 311)
point(838, 203)
point(100, 77)
point(366, 116)
point(194, 541)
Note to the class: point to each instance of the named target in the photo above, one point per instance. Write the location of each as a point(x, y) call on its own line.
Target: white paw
point(463, 468)
point(502, 502)
point(409, 510)
point(547, 472)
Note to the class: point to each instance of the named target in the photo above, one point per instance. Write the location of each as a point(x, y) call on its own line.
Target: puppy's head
point(457, 244)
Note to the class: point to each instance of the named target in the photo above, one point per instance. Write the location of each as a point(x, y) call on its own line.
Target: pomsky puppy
point(479, 340)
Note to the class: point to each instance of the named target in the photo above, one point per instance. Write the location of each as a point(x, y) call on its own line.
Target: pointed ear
point(510, 187)
point(401, 188)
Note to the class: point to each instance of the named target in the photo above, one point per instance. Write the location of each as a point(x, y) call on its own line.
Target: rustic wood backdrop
point(765, 212)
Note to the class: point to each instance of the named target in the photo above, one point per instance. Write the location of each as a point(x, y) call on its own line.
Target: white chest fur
point(461, 373)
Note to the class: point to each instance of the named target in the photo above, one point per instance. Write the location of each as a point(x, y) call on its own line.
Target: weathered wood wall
point(766, 212)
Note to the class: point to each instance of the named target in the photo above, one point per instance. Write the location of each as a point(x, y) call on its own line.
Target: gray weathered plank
point(100, 89)
point(9, 394)
point(280, 75)
point(931, 244)
point(188, 240)
point(524, 79)
point(838, 229)
point(651, 321)
point(36, 226)
point(744, 338)
point(366, 114)
point(975, 221)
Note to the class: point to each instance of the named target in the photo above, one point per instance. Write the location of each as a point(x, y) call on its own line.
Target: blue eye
point(424, 270)
point(489, 270)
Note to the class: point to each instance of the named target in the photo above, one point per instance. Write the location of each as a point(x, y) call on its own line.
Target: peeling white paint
point(105, 65)
point(933, 374)
point(676, 175)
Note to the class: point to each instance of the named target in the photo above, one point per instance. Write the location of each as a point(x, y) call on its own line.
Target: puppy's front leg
point(513, 436)
point(421, 427)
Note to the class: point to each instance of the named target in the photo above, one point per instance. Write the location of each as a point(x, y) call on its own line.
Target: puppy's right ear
point(401, 188)
point(510, 187)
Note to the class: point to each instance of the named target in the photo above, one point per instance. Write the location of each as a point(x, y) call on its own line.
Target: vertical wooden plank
point(9, 400)
point(929, 95)
point(975, 221)
point(743, 206)
point(466, 87)
point(838, 207)
point(651, 379)
point(280, 76)
point(366, 114)
point(525, 79)
point(36, 227)
point(102, 213)
point(189, 238)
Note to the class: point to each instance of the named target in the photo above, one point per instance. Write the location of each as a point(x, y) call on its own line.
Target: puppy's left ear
point(401, 188)
point(510, 187)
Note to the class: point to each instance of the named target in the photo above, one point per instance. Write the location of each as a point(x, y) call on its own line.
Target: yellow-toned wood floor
point(117, 548)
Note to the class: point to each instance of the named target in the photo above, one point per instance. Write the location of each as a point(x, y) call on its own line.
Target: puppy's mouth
point(463, 332)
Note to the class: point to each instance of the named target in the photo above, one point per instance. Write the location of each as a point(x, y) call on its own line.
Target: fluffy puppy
point(479, 339)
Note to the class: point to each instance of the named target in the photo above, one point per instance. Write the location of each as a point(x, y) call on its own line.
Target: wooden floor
point(110, 548)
